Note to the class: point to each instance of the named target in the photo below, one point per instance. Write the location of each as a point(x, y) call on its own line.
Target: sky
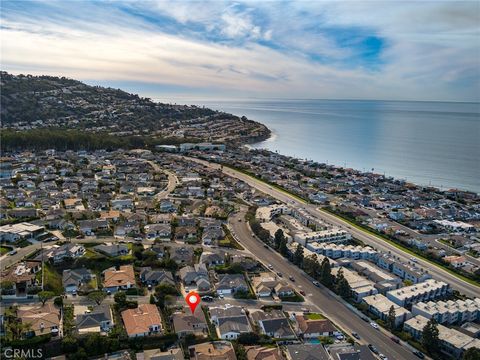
point(396, 50)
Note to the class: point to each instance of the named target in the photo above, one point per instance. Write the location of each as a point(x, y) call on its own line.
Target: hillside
point(44, 102)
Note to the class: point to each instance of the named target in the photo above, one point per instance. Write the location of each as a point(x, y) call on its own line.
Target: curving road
point(438, 273)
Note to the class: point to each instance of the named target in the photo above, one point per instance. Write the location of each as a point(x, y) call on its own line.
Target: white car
point(374, 325)
point(383, 357)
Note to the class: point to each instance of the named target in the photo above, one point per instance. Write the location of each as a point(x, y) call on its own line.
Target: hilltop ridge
point(49, 102)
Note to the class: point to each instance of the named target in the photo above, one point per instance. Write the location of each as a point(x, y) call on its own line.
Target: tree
point(163, 292)
point(342, 287)
point(279, 237)
point(311, 265)
point(58, 301)
point(120, 298)
point(326, 277)
point(97, 296)
point(430, 341)
point(152, 299)
point(391, 318)
point(44, 296)
point(283, 248)
point(472, 354)
point(298, 255)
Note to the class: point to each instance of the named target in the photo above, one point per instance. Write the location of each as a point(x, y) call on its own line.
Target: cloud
point(412, 50)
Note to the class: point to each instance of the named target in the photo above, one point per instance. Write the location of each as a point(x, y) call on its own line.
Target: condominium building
point(449, 312)
point(452, 342)
point(406, 271)
point(383, 281)
point(427, 290)
point(380, 306)
point(335, 251)
point(323, 236)
point(360, 286)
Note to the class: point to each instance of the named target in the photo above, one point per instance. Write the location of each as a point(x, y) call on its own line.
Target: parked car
point(316, 283)
point(13, 252)
point(383, 357)
point(270, 266)
point(419, 354)
point(291, 278)
point(279, 274)
point(395, 339)
point(207, 298)
point(355, 335)
point(374, 325)
point(302, 292)
point(373, 348)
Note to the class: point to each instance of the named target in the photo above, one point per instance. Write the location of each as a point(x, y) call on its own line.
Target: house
point(212, 350)
point(182, 255)
point(42, 319)
point(313, 328)
point(262, 353)
point(158, 231)
point(20, 231)
point(111, 215)
point(230, 321)
point(185, 322)
point(89, 227)
point(212, 259)
point(211, 234)
point(166, 206)
point(142, 321)
point(186, 233)
point(99, 319)
point(112, 250)
point(121, 279)
point(74, 279)
point(284, 290)
point(156, 277)
point(380, 306)
point(273, 323)
point(196, 276)
point(66, 251)
point(264, 284)
point(122, 204)
point(23, 277)
point(231, 283)
point(157, 354)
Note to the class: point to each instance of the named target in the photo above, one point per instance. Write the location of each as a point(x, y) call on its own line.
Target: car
point(365, 319)
point(316, 283)
point(122, 242)
point(419, 354)
point(80, 236)
point(239, 220)
point(266, 246)
point(13, 252)
point(340, 337)
point(109, 292)
point(270, 266)
point(207, 298)
point(149, 287)
point(221, 296)
point(374, 325)
point(138, 239)
point(395, 339)
point(355, 335)
point(383, 357)
point(291, 278)
point(74, 293)
point(302, 292)
point(279, 274)
point(373, 349)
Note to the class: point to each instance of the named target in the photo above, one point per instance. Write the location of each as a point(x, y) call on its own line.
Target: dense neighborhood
point(100, 248)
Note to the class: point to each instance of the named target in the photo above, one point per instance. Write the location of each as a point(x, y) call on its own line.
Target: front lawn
point(52, 280)
point(315, 316)
point(293, 298)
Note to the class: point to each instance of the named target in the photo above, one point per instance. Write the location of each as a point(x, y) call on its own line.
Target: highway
point(327, 302)
point(380, 244)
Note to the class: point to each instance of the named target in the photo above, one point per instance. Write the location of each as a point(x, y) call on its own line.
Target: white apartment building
point(452, 342)
point(323, 236)
point(335, 251)
point(427, 290)
point(380, 306)
point(360, 286)
point(266, 213)
point(406, 271)
point(449, 312)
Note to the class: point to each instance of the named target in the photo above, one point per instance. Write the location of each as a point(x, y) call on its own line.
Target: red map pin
point(193, 299)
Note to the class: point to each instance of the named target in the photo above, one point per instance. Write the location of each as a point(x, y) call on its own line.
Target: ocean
point(428, 143)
